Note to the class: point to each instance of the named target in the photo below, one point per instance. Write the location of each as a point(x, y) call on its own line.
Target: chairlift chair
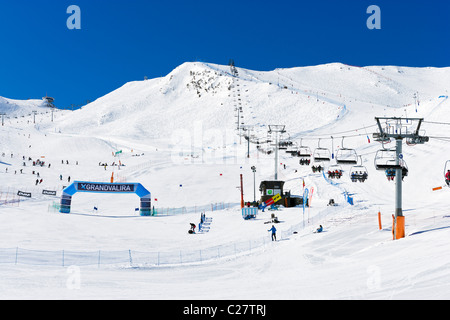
point(391, 173)
point(446, 169)
point(292, 149)
point(303, 151)
point(346, 156)
point(385, 159)
point(335, 171)
point(321, 154)
point(359, 172)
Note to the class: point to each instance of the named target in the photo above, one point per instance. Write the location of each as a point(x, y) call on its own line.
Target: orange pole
point(400, 227)
point(112, 178)
point(242, 193)
point(379, 220)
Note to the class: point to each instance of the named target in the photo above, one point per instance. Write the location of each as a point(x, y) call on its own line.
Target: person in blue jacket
point(274, 233)
point(320, 229)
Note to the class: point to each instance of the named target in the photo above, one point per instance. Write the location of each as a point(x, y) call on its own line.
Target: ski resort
point(220, 182)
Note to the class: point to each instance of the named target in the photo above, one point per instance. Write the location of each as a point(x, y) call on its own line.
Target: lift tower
point(399, 129)
point(277, 129)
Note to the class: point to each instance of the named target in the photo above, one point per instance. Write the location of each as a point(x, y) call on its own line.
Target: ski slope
point(178, 138)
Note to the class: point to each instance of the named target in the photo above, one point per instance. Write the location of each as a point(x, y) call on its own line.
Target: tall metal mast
point(400, 131)
point(276, 129)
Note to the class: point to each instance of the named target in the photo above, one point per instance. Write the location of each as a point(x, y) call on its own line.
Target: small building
point(269, 189)
point(49, 101)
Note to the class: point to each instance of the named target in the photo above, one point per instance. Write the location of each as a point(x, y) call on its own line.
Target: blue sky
point(123, 41)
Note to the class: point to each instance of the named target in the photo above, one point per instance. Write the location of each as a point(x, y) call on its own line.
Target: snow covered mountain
point(19, 108)
point(304, 99)
point(178, 137)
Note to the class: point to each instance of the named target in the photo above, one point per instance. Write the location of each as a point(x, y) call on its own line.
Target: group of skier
point(37, 163)
point(390, 173)
point(359, 176)
point(335, 174)
point(304, 162)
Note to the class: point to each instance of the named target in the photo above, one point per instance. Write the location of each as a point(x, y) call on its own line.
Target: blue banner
point(305, 199)
point(105, 187)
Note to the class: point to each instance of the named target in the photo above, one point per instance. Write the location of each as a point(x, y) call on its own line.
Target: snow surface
point(177, 136)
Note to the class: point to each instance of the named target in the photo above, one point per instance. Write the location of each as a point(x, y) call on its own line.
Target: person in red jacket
point(447, 177)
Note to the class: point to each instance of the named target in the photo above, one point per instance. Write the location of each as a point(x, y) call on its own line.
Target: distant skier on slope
point(192, 230)
point(274, 233)
point(447, 177)
point(320, 229)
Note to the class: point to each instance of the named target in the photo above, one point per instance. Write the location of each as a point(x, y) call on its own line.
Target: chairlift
point(385, 159)
point(359, 172)
point(292, 149)
point(283, 145)
point(335, 171)
point(304, 151)
point(447, 169)
point(391, 173)
point(346, 156)
point(412, 141)
point(321, 154)
point(382, 139)
point(317, 167)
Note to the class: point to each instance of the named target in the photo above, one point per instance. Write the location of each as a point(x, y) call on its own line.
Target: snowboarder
point(320, 229)
point(274, 233)
point(192, 230)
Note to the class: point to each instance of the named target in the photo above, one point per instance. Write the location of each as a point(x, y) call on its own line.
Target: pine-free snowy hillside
point(18, 108)
point(177, 137)
point(203, 96)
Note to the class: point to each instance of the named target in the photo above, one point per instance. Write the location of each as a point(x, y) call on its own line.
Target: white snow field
point(178, 139)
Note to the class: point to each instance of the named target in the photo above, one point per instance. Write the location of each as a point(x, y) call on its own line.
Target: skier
point(60, 177)
point(274, 233)
point(68, 179)
point(320, 229)
point(447, 177)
